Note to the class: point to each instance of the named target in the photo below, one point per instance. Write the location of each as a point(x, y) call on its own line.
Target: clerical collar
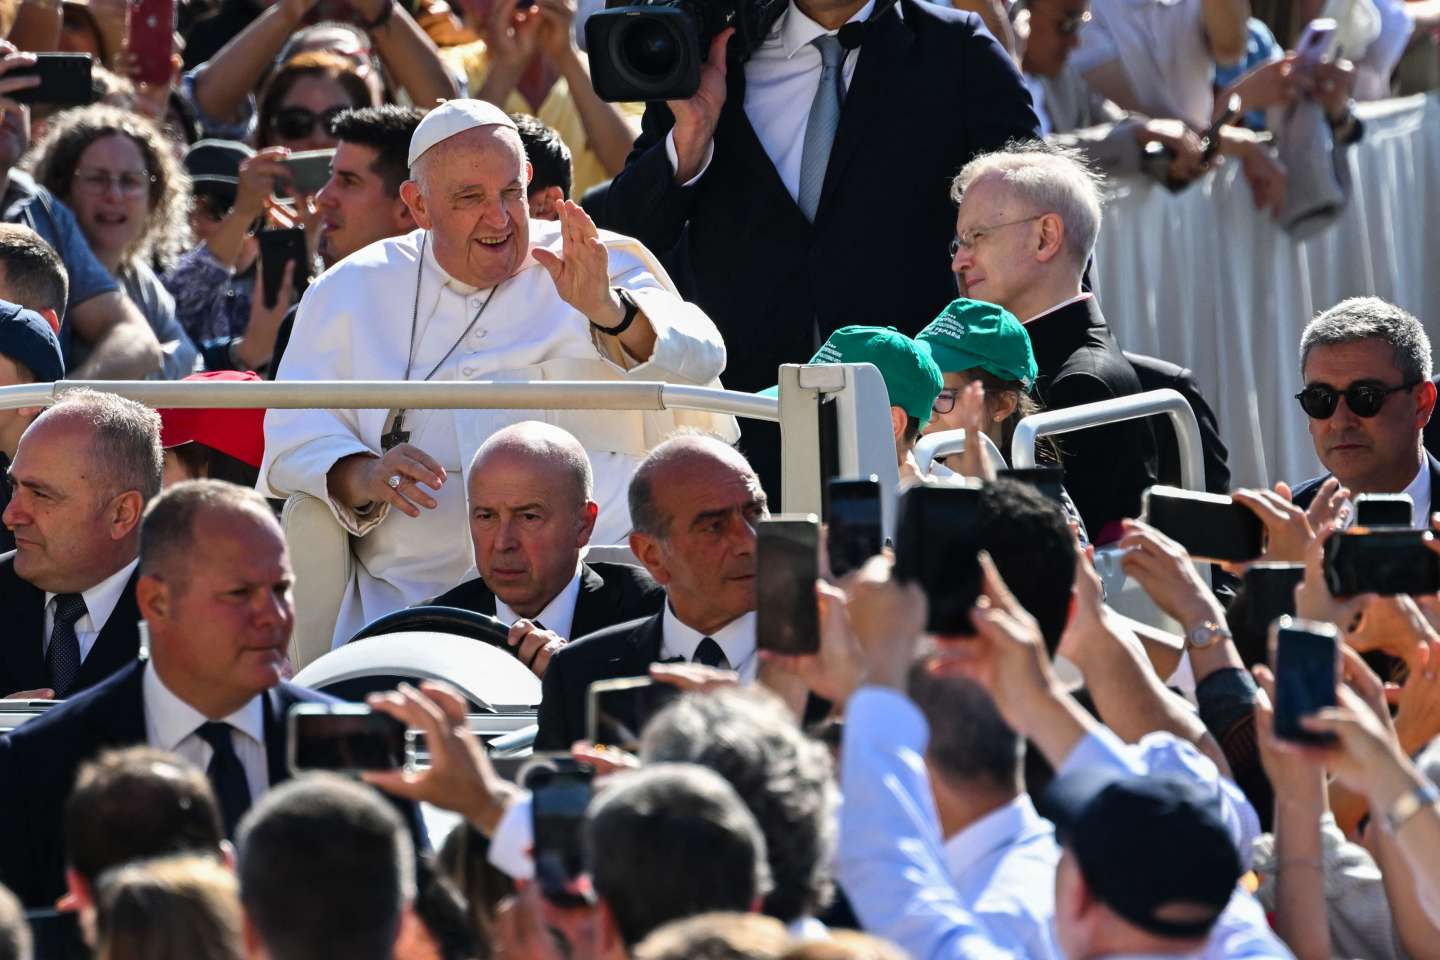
point(432, 265)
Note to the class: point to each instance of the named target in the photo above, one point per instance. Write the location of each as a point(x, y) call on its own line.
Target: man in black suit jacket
point(1157, 374)
point(532, 509)
point(1381, 353)
point(694, 502)
point(82, 475)
point(1019, 247)
point(719, 179)
point(215, 589)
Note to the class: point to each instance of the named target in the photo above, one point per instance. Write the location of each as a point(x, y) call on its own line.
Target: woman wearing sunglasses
point(304, 95)
point(116, 171)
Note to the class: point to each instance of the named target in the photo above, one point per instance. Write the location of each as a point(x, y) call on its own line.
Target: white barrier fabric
point(1203, 280)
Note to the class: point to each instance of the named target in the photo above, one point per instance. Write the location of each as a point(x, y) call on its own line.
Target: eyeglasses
point(971, 237)
point(945, 402)
point(1364, 400)
point(296, 123)
point(98, 183)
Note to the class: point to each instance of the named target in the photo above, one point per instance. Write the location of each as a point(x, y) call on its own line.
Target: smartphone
point(277, 248)
point(560, 791)
point(64, 80)
point(854, 533)
point(309, 171)
point(1384, 510)
point(1270, 593)
point(345, 737)
point(1048, 480)
point(936, 546)
point(1386, 562)
point(1211, 526)
point(787, 564)
point(152, 39)
point(617, 710)
point(1210, 139)
point(1317, 42)
point(1305, 656)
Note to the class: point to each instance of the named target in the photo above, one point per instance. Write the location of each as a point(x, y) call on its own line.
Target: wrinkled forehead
point(1341, 364)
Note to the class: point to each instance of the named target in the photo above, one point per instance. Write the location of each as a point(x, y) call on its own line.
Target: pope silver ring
point(394, 481)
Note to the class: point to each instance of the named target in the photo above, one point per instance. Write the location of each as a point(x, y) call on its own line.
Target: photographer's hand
point(696, 118)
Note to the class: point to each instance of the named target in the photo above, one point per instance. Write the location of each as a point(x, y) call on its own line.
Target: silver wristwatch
point(1207, 634)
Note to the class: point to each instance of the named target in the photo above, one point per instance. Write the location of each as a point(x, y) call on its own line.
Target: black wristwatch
point(632, 310)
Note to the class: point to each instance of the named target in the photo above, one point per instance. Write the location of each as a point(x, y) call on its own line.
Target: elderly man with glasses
point(1029, 216)
point(1368, 395)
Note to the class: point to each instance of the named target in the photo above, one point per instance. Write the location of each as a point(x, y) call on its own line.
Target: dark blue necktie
point(226, 774)
point(710, 654)
point(62, 657)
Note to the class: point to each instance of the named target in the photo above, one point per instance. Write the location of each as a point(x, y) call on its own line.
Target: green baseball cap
point(972, 333)
point(911, 376)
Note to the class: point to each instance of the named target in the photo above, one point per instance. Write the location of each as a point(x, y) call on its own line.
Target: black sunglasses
point(296, 123)
point(1364, 400)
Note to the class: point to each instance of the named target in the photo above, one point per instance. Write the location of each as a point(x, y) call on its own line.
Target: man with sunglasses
point(1366, 367)
point(1028, 220)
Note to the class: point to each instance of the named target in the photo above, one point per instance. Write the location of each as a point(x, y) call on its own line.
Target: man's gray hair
point(1370, 318)
point(786, 779)
point(645, 515)
point(168, 530)
point(1049, 179)
point(546, 443)
point(126, 446)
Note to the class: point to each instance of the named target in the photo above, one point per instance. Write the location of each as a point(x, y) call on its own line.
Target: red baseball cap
point(237, 432)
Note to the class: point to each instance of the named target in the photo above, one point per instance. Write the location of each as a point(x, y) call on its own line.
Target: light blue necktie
point(824, 121)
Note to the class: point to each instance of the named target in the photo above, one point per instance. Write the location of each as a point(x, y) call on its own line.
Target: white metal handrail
point(1105, 412)
point(945, 442)
point(374, 394)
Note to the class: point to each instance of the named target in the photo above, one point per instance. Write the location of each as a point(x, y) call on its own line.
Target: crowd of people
point(1048, 779)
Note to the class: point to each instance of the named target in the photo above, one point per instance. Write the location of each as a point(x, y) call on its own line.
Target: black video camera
point(653, 50)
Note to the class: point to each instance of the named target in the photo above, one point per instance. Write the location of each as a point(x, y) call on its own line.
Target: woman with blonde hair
point(117, 172)
point(176, 908)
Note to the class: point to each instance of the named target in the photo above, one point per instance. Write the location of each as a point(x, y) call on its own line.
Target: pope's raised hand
point(582, 270)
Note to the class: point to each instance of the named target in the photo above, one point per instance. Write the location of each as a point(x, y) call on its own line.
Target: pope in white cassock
point(480, 292)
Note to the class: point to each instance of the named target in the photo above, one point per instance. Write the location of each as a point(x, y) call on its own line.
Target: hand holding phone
point(151, 41)
point(1209, 526)
point(277, 248)
point(1383, 561)
point(64, 80)
point(937, 547)
point(854, 533)
point(618, 709)
point(560, 792)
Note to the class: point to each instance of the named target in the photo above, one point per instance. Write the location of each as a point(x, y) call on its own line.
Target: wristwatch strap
point(632, 310)
point(1410, 803)
point(1207, 634)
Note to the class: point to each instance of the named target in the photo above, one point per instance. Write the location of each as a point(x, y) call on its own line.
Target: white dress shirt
point(100, 602)
point(736, 638)
point(1003, 866)
point(557, 617)
point(354, 323)
point(781, 79)
point(1419, 493)
point(170, 724)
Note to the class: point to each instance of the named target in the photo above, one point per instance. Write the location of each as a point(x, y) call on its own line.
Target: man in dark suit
point(1368, 396)
point(82, 475)
point(1157, 374)
point(215, 590)
point(532, 510)
point(804, 190)
point(1029, 217)
point(694, 502)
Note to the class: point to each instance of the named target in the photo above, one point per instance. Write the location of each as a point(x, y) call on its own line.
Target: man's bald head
point(532, 510)
point(684, 451)
point(546, 448)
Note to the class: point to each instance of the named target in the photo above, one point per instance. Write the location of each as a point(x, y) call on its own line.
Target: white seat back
point(321, 558)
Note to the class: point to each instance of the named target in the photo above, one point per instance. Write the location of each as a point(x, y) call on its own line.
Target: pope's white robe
point(354, 323)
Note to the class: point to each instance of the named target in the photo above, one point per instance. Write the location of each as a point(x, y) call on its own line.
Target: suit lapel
point(118, 642)
point(593, 605)
point(647, 645)
point(24, 651)
point(885, 47)
point(277, 701)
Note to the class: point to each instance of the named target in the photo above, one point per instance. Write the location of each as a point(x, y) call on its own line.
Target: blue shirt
point(28, 203)
point(892, 864)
